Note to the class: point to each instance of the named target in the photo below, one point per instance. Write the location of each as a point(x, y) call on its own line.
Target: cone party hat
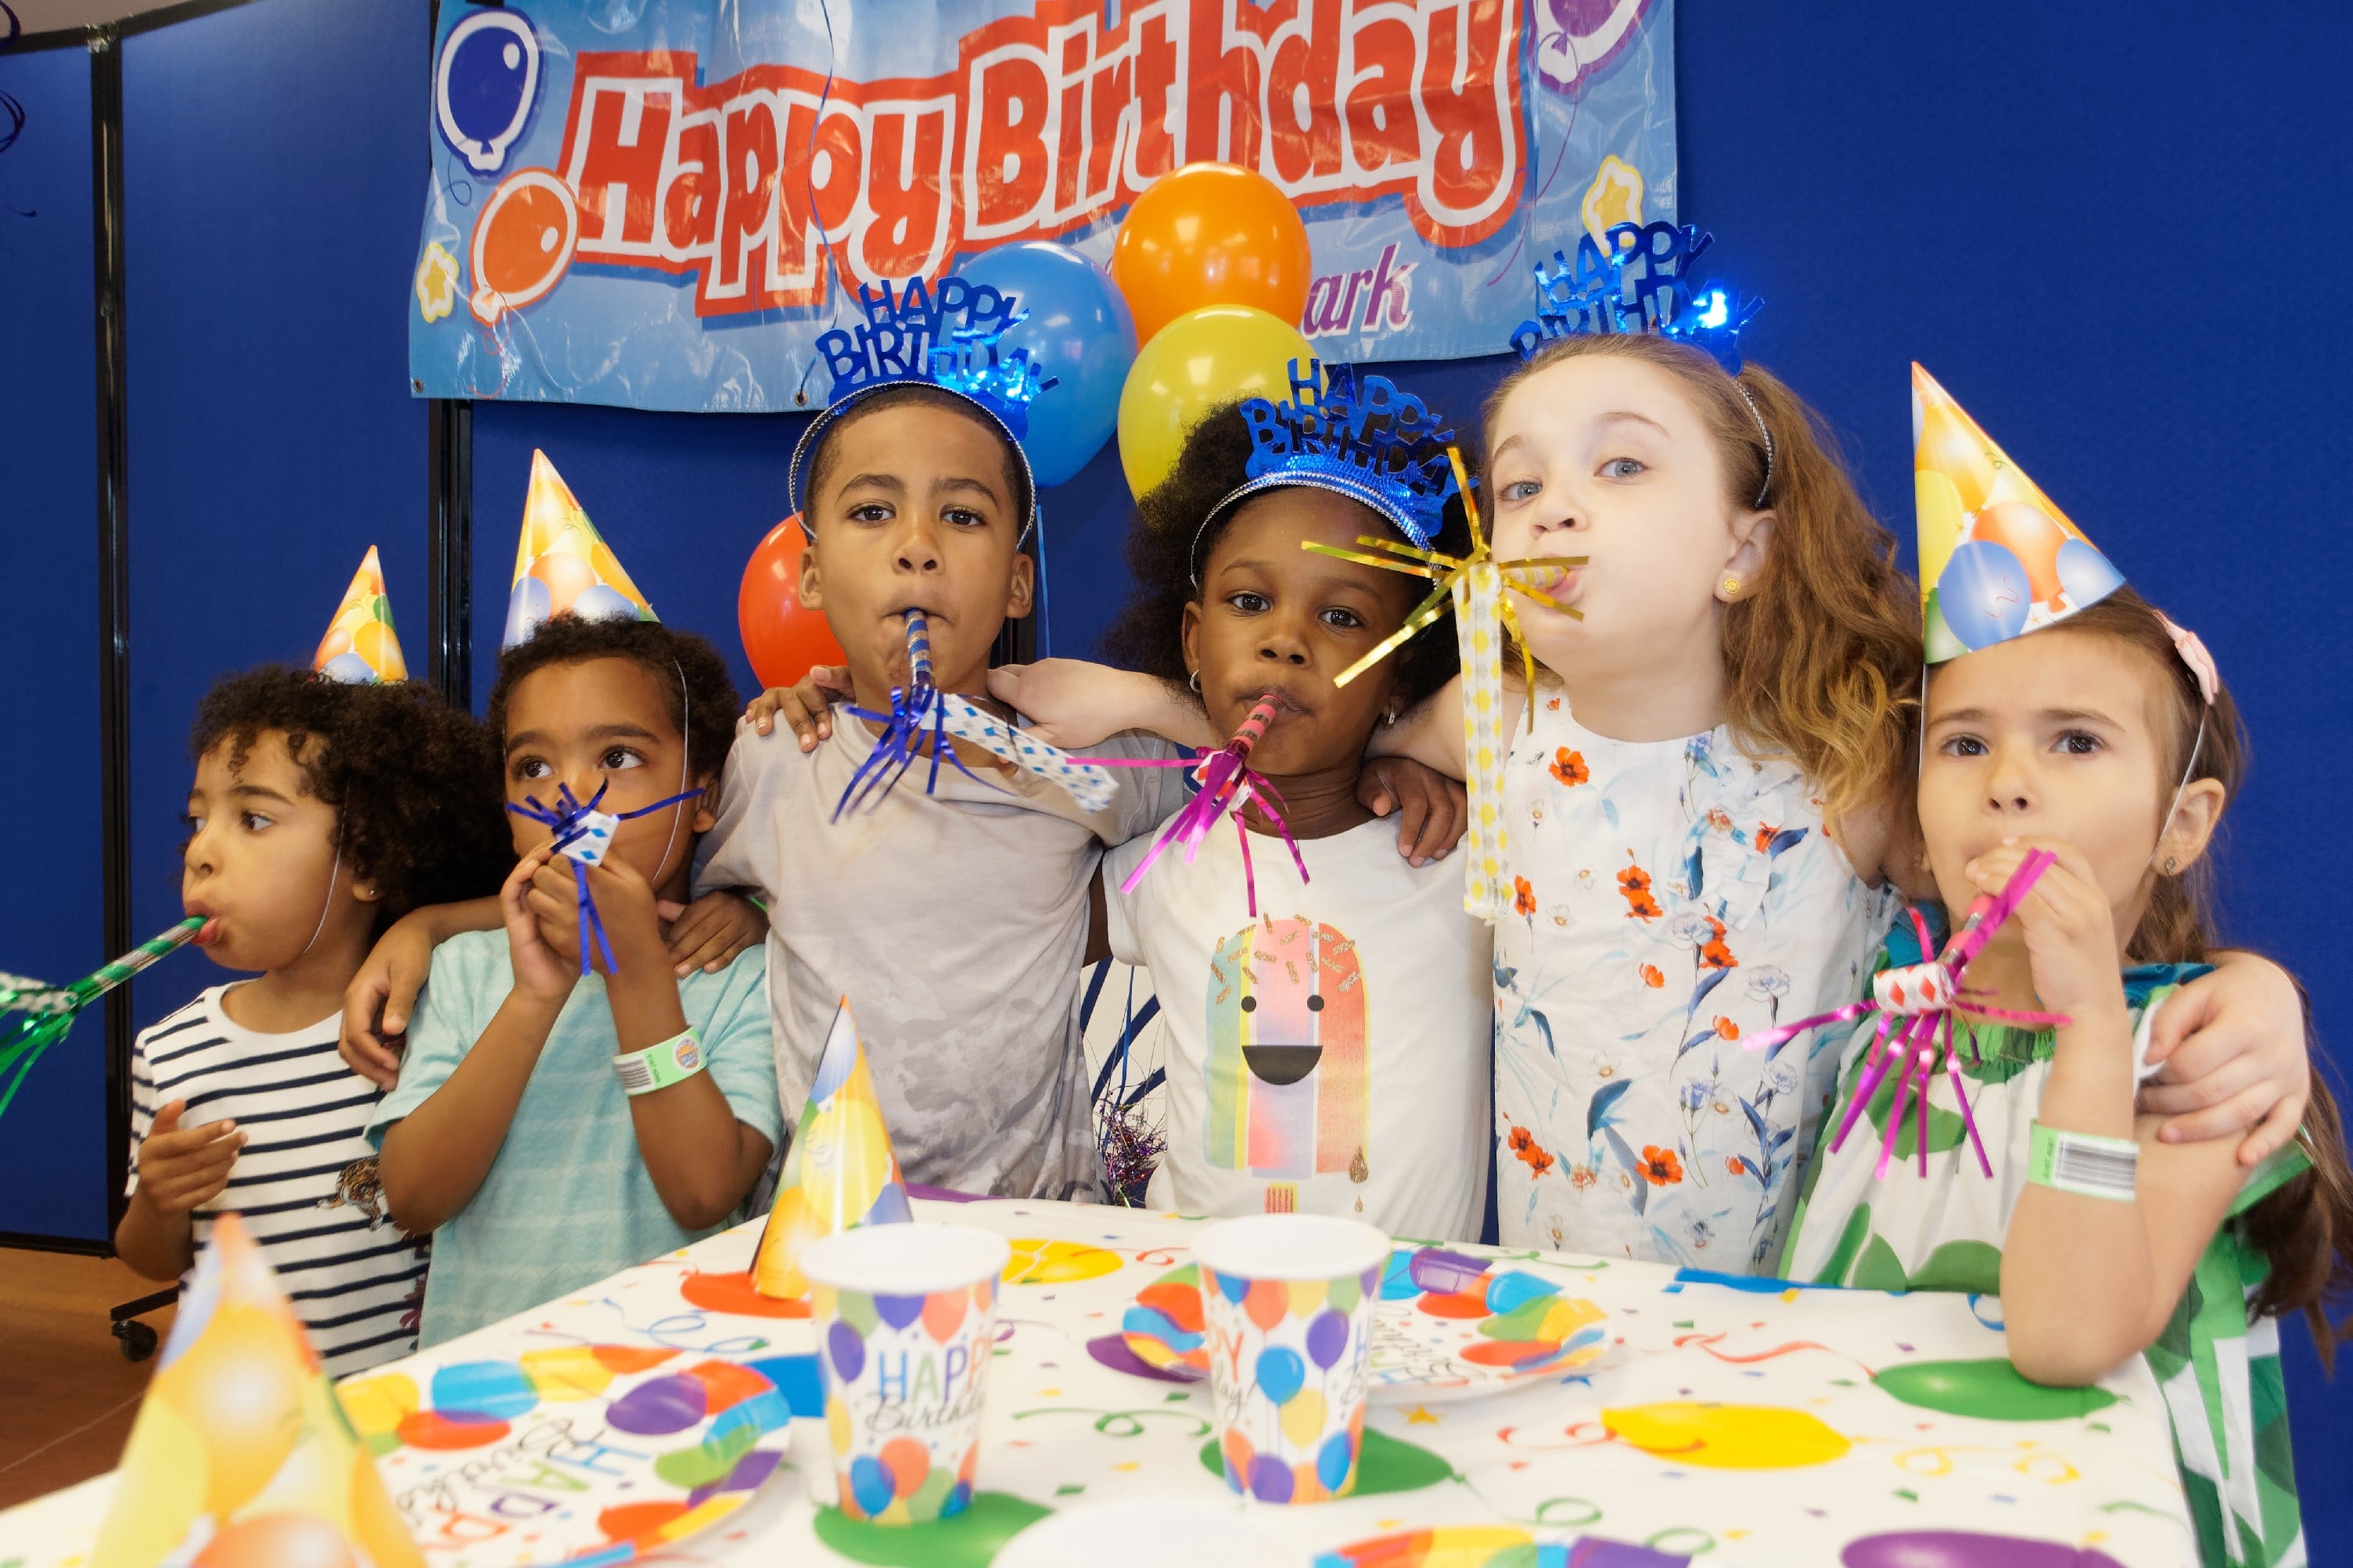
point(242, 1453)
point(360, 647)
point(562, 562)
point(1997, 559)
point(840, 1175)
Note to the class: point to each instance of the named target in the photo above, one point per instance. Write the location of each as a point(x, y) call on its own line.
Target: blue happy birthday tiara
point(1641, 283)
point(1356, 435)
point(945, 335)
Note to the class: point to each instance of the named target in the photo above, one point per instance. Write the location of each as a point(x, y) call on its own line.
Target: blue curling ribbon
point(582, 834)
point(915, 707)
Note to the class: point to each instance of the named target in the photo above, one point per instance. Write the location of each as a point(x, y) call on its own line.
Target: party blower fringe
point(1916, 1003)
point(1475, 584)
point(1229, 786)
point(582, 835)
point(44, 1014)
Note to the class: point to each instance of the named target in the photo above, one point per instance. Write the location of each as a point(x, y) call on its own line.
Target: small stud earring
point(2169, 863)
point(1731, 584)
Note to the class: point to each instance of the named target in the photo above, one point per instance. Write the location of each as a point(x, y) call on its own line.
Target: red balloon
point(783, 638)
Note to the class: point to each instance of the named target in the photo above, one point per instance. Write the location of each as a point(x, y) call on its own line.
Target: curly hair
point(697, 693)
point(1163, 554)
point(414, 782)
point(1821, 662)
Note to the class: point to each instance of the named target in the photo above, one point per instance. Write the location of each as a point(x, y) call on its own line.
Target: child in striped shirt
point(320, 812)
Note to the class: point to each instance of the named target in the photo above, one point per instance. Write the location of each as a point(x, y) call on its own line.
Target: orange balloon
point(278, 1540)
point(2028, 535)
point(566, 577)
point(782, 637)
point(1211, 234)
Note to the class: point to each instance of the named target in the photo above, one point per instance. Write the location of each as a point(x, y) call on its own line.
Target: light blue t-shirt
point(568, 1200)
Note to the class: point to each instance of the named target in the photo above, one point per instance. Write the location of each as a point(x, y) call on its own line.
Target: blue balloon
point(349, 669)
point(599, 602)
point(1280, 1372)
point(1334, 1460)
point(486, 84)
point(1984, 593)
point(527, 605)
point(871, 1485)
point(2084, 575)
point(1080, 331)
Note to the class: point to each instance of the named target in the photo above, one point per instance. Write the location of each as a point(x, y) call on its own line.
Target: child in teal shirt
point(511, 1133)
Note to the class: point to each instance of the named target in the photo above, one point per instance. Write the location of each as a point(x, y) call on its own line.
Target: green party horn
point(45, 1014)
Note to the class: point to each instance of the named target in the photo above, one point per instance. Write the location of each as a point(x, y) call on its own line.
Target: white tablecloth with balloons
point(1713, 1420)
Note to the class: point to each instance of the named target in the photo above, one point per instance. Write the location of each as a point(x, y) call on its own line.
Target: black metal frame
point(450, 547)
point(114, 585)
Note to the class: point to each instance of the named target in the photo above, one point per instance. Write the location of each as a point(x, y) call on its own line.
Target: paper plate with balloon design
point(570, 1453)
point(1446, 1327)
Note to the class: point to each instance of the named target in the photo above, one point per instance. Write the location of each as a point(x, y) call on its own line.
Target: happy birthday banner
point(660, 204)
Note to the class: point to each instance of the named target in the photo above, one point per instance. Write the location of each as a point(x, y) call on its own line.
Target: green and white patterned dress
point(2219, 1372)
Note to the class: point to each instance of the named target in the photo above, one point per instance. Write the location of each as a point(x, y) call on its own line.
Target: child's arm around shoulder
point(1069, 702)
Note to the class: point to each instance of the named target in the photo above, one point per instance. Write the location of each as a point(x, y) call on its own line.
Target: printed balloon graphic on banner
point(485, 85)
point(522, 243)
point(734, 171)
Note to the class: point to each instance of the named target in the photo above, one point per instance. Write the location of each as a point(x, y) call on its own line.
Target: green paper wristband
point(656, 1067)
point(2080, 1164)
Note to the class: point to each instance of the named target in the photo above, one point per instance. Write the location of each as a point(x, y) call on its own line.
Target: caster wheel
point(137, 1340)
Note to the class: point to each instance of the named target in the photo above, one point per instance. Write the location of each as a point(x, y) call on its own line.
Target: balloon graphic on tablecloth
point(1080, 333)
point(841, 1173)
point(360, 646)
point(562, 563)
point(1997, 558)
point(1726, 1436)
point(241, 1452)
point(486, 84)
point(1967, 1548)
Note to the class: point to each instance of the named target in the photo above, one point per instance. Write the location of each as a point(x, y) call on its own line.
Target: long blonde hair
point(1821, 658)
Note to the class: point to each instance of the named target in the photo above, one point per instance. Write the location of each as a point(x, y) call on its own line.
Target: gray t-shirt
point(954, 923)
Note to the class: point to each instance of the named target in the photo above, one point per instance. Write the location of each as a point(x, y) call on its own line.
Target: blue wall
point(52, 920)
point(273, 161)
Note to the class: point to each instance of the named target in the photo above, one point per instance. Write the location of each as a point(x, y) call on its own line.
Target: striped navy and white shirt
point(305, 1181)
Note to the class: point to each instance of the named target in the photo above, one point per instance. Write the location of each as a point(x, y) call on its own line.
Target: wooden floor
point(66, 1394)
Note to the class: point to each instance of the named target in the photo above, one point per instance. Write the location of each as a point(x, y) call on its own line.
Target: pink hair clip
point(2193, 654)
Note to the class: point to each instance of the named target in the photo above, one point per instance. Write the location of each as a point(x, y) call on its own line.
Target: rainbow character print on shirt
point(1289, 1088)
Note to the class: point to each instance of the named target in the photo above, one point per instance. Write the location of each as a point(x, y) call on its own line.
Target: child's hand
point(182, 1169)
point(1069, 702)
point(804, 705)
point(709, 933)
point(626, 906)
point(2071, 932)
point(2232, 1043)
point(1433, 810)
point(387, 986)
point(543, 921)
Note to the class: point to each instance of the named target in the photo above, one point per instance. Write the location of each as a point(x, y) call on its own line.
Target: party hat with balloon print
point(360, 646)
point(1997, 559)
point(562, 562)
point(241, 1453)
point(841, 1174)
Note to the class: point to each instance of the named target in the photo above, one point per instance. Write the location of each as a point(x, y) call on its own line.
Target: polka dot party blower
point(1915, 1002)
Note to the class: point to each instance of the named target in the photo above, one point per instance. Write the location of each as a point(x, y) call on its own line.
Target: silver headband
point(1767, 487)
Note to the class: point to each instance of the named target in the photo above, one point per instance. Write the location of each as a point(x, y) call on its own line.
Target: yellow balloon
point(1303, 1418)
point(1202, 359)
point(1726, 1436)
point(164, 1465)
point(566, 1372)
point(378, 1405)
point(1942, 517)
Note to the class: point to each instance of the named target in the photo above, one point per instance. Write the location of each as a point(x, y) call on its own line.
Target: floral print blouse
point(1670, 897)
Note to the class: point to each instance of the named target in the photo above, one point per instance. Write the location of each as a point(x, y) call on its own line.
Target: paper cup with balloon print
point(1287, 1301)
point(906, 1320)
